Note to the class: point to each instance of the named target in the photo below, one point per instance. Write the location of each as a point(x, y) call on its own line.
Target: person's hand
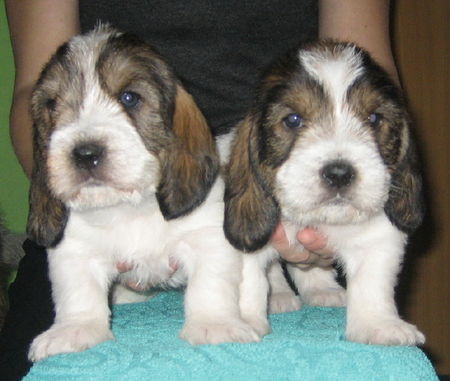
point(311, 248)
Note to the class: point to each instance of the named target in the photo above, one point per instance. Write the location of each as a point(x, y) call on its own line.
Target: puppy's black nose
point(338, 174)
point(88, 155)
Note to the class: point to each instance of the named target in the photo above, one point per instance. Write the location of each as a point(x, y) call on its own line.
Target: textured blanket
point(305, 345)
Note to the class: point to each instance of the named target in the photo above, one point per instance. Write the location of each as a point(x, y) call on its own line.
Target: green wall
point(13, 182)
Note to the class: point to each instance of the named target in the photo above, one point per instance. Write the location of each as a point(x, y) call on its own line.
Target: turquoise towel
point(305, 345)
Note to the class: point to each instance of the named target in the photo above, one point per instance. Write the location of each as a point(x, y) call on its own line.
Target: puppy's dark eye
point(50, 104)
point(375, 119)
point(293, 121)
point(129, 99)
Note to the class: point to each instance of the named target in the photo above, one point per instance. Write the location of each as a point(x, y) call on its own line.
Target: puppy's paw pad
point(387, 332)
point(218, 332)
point(329, 297)
point(68, 338)
point(284, 302)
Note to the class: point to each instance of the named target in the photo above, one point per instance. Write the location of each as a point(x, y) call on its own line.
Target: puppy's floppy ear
point(47, 216)
point(251, 212)
point(189, 165)
point(405, 206)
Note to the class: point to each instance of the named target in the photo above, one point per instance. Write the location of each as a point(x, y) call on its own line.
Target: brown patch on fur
point(187, 114)
point(128, 64)
point(251, 213)
point(365, 99)
point(405, 206)
point(299, 96)
point(190, 163)
point(48, 215)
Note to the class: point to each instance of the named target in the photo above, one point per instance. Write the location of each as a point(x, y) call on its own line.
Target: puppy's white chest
point(123, 229)
point(137, 235)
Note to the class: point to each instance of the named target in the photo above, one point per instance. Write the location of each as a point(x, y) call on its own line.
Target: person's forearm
point(364, 22)
point(37, 28)
point(20, 129)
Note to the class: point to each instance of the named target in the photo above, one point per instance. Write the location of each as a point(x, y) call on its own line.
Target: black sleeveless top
point(218, 48)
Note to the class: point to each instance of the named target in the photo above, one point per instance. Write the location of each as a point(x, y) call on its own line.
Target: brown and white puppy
point(126, 171)
point(327, 144)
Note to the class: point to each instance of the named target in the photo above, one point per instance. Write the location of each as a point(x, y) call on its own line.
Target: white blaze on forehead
point(100, 114)
point(335, 71)
point(95, 98)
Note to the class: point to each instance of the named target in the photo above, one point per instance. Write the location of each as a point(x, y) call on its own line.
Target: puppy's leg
point(317, 286)
point(80, 289)
point(372, 266)
point(212, 293)
point(281, 297)
point(254, 290)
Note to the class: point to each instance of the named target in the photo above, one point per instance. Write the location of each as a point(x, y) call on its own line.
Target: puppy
point(126, 171)
point(327, 144)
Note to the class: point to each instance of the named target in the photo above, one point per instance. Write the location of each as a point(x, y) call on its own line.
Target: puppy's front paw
point(326, 297)
point(283, 302)
point(393, 331)
point(215, 332)
point(68, 337)
point(259, 324)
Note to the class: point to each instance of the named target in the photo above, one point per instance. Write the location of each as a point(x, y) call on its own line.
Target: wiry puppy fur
point(327, 144)
point(126, 171)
